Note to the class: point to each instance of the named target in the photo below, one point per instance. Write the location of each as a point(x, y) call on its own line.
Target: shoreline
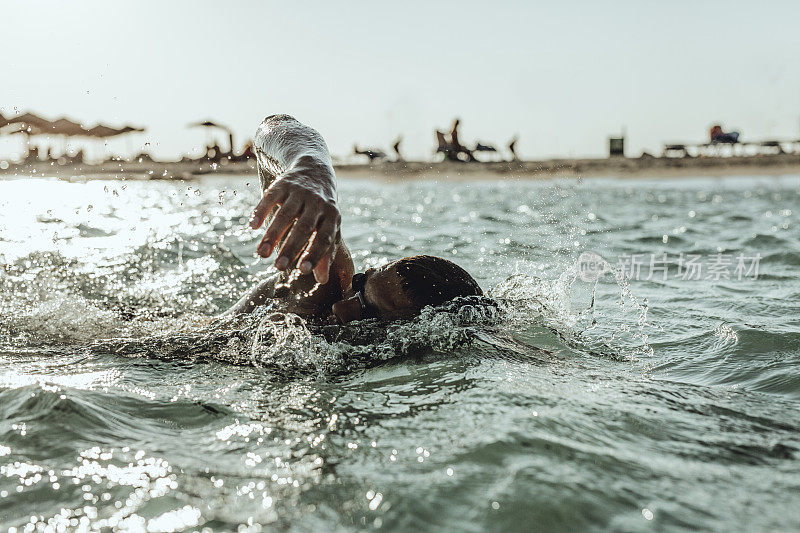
point(643, 167)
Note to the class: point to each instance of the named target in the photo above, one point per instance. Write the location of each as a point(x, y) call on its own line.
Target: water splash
point(599, 315)
point(130, 310)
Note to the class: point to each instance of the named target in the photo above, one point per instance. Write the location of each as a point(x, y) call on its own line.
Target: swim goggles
point(367, 310)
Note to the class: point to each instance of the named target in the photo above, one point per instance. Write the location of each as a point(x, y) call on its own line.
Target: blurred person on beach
point(512, 148)
point(458, 147)
point(396, 149)
point(452, 147)
point(719, 136)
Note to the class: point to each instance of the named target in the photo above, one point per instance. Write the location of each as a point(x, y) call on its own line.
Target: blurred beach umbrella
point(131, 129)
point(19, 127)
point(210, 124)
point(67, 127)
point(28, 122)
point(24, 130)
point(102, 131)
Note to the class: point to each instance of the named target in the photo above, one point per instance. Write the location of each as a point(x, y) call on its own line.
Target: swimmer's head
point(401, 289)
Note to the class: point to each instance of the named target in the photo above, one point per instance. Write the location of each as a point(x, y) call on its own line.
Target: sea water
point(640, 369)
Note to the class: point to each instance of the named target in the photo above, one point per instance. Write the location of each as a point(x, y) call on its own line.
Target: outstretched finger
point(320, 247)
point(280, 224)
point(271, 198)
point(298, 239)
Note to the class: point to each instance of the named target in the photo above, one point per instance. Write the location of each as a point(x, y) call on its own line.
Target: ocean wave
point(54, 418)
point(764, 240)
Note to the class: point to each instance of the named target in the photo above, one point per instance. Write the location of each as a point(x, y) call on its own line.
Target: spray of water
point(136, 307)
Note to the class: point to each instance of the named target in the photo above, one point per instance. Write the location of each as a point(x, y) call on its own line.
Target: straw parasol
point(131, 129)
point(30, 121)
point(24, 128)
point(210, 124)
point(65, 126)
point(102, 131)
point(26, 124)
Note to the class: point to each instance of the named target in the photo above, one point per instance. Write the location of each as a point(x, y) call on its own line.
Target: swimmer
point(399, 290)
point(317, 279)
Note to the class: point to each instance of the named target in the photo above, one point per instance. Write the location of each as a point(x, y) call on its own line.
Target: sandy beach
point(402, 170)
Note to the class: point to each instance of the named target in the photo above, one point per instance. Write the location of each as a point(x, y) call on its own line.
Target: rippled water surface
point(657, 403)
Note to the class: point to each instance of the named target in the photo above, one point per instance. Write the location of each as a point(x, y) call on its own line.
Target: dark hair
point(429, 280)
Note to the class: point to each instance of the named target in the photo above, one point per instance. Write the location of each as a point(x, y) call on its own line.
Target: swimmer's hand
point(304, 194)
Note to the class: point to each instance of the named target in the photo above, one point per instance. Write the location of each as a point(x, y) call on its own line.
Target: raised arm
point(297, 178)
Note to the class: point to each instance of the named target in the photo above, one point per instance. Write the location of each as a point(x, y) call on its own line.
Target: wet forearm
point(299, 197)
point(284, 145)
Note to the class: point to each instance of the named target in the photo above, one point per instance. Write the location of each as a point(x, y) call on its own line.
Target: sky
point(562, 75)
